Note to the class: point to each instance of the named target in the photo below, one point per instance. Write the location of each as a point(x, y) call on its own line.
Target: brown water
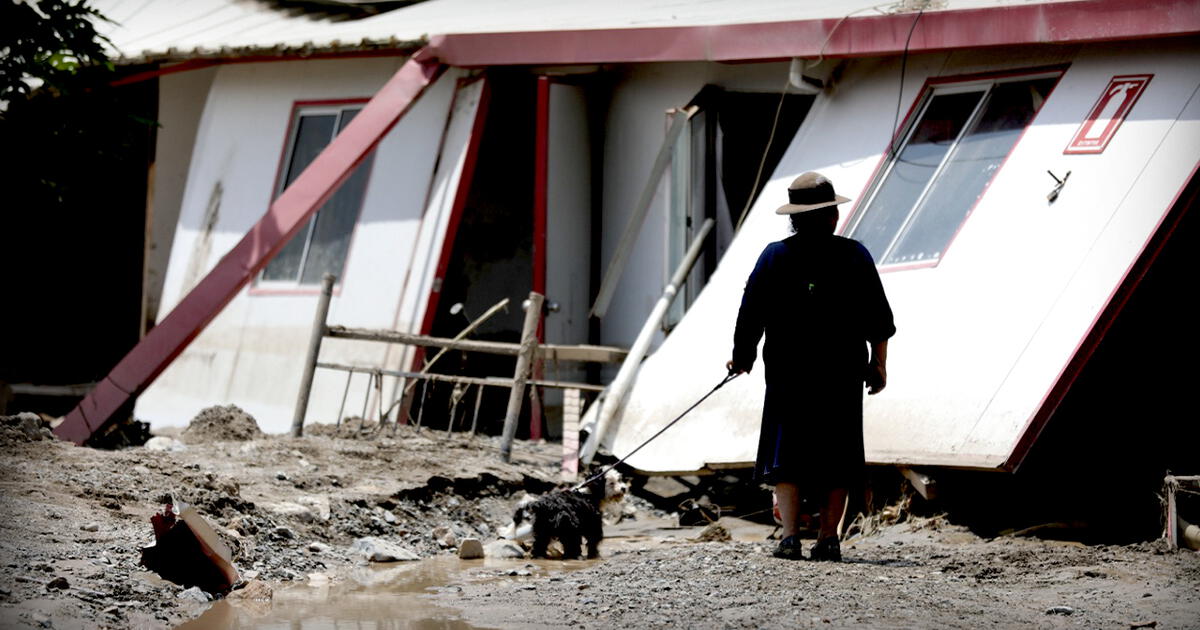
point(391, 597)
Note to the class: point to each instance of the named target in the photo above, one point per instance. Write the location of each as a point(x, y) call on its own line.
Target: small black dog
point(570, 516)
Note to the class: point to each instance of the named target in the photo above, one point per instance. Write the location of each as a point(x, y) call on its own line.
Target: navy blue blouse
point(819, 301)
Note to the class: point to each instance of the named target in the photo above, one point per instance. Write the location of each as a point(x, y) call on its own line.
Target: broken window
point(956, 143)
point(321, 245)
point(719, 165)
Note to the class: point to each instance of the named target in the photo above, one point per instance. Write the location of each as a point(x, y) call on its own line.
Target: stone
point(317, 579)
point(90, 527)
point(377, 550)
point(1060, 610)
point(163, 443)
point(318, 547)
point(470, 549)
point(288, 509)
point(254, 590)
point(390, 518)
point(503, 549)
point(59, 583)
point(282, 533)
point(42, 619)
point(194, 594)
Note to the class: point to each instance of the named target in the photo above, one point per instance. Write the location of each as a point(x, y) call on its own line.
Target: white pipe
point(598, 418)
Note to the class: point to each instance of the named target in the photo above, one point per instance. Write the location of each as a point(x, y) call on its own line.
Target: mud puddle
point(397, 597)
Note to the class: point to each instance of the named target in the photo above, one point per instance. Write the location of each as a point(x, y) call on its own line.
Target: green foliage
point(47, 42)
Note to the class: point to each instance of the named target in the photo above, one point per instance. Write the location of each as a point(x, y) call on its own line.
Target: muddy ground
point(72, 521)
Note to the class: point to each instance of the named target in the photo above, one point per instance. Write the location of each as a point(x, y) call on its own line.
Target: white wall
point(251, 354)
point(181, 99)
point(983, 336)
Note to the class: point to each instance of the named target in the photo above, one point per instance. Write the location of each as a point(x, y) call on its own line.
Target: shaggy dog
point(570, 516)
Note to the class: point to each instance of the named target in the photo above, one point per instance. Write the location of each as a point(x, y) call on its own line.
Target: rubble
point(377, 550)
point(253, 590)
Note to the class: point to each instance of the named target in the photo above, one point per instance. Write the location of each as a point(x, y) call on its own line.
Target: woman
point(819, 299)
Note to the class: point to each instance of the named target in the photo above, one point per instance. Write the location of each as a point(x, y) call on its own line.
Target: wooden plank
point(547, 352)
point(922, 483)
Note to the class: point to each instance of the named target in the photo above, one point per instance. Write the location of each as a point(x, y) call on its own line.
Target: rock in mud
point(1060, 610)
point(504, 549)
point(444, 536)
point(378, 550)
point(163, 443)
point(470, 549)
point(216, 424)
point(195, 594)
point(254, 590)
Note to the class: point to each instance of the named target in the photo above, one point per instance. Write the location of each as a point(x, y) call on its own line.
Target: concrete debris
point(470, 549)
point(253, 590)
point(503, 549)
point(165, 444)
point(378, 550)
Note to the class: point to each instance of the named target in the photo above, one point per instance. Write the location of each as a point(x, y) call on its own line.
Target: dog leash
point(732, 375)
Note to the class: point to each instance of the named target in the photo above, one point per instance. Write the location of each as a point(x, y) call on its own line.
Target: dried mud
point(73, 519)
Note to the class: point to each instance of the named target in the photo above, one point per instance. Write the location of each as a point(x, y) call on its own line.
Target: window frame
point(291, 136)
point(941, 86)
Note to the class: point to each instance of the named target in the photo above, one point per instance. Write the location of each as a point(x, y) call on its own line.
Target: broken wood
point(925, 485)
point(314, 350)
point(533, 317)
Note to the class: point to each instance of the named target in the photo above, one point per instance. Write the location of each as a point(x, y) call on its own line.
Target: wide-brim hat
point(809, 192)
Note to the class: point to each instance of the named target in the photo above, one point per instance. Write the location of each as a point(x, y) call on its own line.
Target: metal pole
point(314, 349)
point(533, 315)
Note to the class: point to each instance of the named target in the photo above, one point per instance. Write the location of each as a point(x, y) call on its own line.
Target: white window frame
point(298, 113)
point(985, 85)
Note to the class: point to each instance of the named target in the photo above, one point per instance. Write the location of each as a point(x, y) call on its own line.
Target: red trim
point(1116, 120)
point(859, 36)
point(1056, 22)
point(541, 165)
point(287, 214)
point(1104, 320)
point(460, 202)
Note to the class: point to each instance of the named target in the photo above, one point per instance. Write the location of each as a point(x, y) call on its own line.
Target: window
point(321, 245)
point(954, 146)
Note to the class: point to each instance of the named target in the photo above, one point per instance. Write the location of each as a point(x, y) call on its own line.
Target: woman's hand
point(876, 378)
point(729, 366)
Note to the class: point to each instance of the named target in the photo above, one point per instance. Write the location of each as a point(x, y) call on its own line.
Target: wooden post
point(528, 347)
point(314, 349)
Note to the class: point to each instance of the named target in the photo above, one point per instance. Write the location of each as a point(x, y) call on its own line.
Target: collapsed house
point(1016, 169)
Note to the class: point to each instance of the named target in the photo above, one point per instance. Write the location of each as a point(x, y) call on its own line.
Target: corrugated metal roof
point(145, 30)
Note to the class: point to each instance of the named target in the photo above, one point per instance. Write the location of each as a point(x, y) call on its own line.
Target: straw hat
point(809, 192)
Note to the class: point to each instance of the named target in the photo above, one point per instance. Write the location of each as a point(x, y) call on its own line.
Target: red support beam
point(286, 215)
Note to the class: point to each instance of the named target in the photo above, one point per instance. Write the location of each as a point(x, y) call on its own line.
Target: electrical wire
point(892, 144)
